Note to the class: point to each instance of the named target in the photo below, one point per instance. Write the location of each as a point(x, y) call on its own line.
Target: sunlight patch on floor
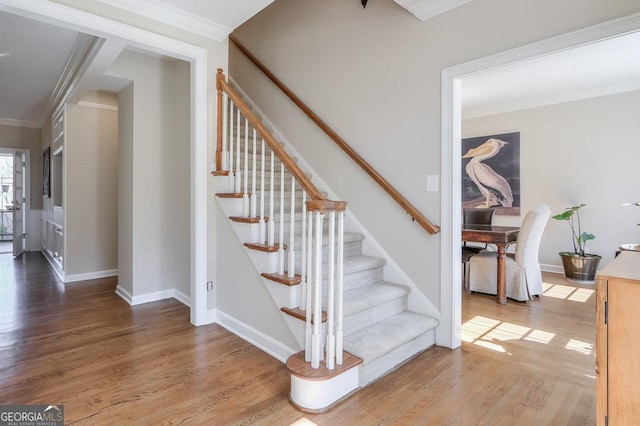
point(540, 336)
point(304, 422)
point(488, 332)
point(579, 346)
point(567, 292)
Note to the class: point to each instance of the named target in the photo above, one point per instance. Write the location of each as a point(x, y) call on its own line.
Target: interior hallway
point(82, 346)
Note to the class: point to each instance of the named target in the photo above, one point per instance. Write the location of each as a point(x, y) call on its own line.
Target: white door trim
point(64, 16)
point(449, 332)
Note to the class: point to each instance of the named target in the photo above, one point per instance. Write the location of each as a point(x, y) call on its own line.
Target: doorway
point(6, 202)
point(197, 57)
point(451, 134)
point(14, 200)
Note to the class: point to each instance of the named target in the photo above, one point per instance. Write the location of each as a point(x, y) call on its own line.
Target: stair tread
point(382, 337)
point(370, 296)
point(361, 262)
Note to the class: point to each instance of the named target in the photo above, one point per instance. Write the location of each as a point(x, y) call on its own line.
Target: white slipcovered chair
point(524, 279)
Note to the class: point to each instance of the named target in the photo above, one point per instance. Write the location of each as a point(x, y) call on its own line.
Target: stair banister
point(234, 116)
point(313, 192)
point(415, 214)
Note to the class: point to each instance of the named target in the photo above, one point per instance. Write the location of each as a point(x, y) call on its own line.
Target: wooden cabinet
point(618, 341)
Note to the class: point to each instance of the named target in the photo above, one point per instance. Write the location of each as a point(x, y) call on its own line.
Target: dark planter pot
point(580, 268)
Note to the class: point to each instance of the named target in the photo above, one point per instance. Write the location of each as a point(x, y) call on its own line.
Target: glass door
point(19, 200)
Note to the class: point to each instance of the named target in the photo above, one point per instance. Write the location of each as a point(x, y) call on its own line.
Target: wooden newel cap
point(219, 79)
point(326, 206)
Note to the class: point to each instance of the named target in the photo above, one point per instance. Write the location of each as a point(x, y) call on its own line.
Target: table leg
point(501, 294)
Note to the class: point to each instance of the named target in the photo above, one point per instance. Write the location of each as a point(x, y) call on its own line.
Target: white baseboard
point(152, 297)
point(90, 276)
point(124, 295)
point(558, 269)
point(212, 316)
point(54, 265)
point(253, 336)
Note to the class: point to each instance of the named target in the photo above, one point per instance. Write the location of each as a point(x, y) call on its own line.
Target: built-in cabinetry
point(618, 341)
point(53, 218)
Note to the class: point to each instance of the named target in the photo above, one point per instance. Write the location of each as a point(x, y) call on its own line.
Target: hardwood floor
point(82, 346)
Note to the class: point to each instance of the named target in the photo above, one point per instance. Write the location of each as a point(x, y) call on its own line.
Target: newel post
point(334, 210)
point(219, 147)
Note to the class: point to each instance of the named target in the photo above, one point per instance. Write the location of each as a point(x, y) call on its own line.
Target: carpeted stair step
point(369, 304)
point(388, 343)
point(362, 270)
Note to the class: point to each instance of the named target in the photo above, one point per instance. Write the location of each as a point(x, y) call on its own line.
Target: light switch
point(433, 184)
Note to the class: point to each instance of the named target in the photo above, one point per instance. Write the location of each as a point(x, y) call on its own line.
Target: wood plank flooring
point(111, 364)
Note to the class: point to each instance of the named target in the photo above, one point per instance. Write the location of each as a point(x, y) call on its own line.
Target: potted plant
point(578, 265)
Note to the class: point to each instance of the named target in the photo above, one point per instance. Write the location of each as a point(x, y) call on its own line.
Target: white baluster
point(303, 255)
point(225, 131)
point(281, 233)
point(238, 185)
point(263, 236)
point(254, 195)
point(231, 145)
point(331, 342)
point(310, 288)
point(271, 234)
point(316, 338)
point(340, 289)
point(245, 193)
point(292, 254)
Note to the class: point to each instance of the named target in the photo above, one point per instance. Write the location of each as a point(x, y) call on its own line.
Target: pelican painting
point(494, 187)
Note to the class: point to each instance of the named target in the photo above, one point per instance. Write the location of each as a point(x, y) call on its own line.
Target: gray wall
point(90, 195)
point(242, 294)
point(159, 180)
point(571, 153)
point(125, 188)
point(374, 75)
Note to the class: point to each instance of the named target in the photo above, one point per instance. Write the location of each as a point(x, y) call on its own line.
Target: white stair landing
point(386, 344)
point(318, 390)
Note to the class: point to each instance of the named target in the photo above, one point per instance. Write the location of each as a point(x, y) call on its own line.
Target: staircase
point(268, 213)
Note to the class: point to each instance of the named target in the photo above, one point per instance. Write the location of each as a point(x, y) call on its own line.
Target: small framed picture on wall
point(46, 172)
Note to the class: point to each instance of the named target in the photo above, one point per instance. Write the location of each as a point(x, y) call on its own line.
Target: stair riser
point(373, 314)
point(373, 369)
point(297, 228)
point(360, 278)
point(350, 249)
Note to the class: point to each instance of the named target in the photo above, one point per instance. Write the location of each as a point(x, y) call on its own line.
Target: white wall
point(374, 75)
point(571, 153)
point(159, 181)
point(90, 196)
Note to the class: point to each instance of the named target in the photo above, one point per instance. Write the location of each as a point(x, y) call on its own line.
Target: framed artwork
point(491, 172)
point(46, 172)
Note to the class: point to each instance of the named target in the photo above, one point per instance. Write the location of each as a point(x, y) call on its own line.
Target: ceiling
point(597, 69)
point(33, 55)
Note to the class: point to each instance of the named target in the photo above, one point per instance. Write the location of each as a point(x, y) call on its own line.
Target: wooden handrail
point(399, 198)
point(302, 179)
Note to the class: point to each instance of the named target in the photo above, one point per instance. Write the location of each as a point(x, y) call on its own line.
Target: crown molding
point(427, 9)
point(19, 123)
point(174, 17)
point(84, 50)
